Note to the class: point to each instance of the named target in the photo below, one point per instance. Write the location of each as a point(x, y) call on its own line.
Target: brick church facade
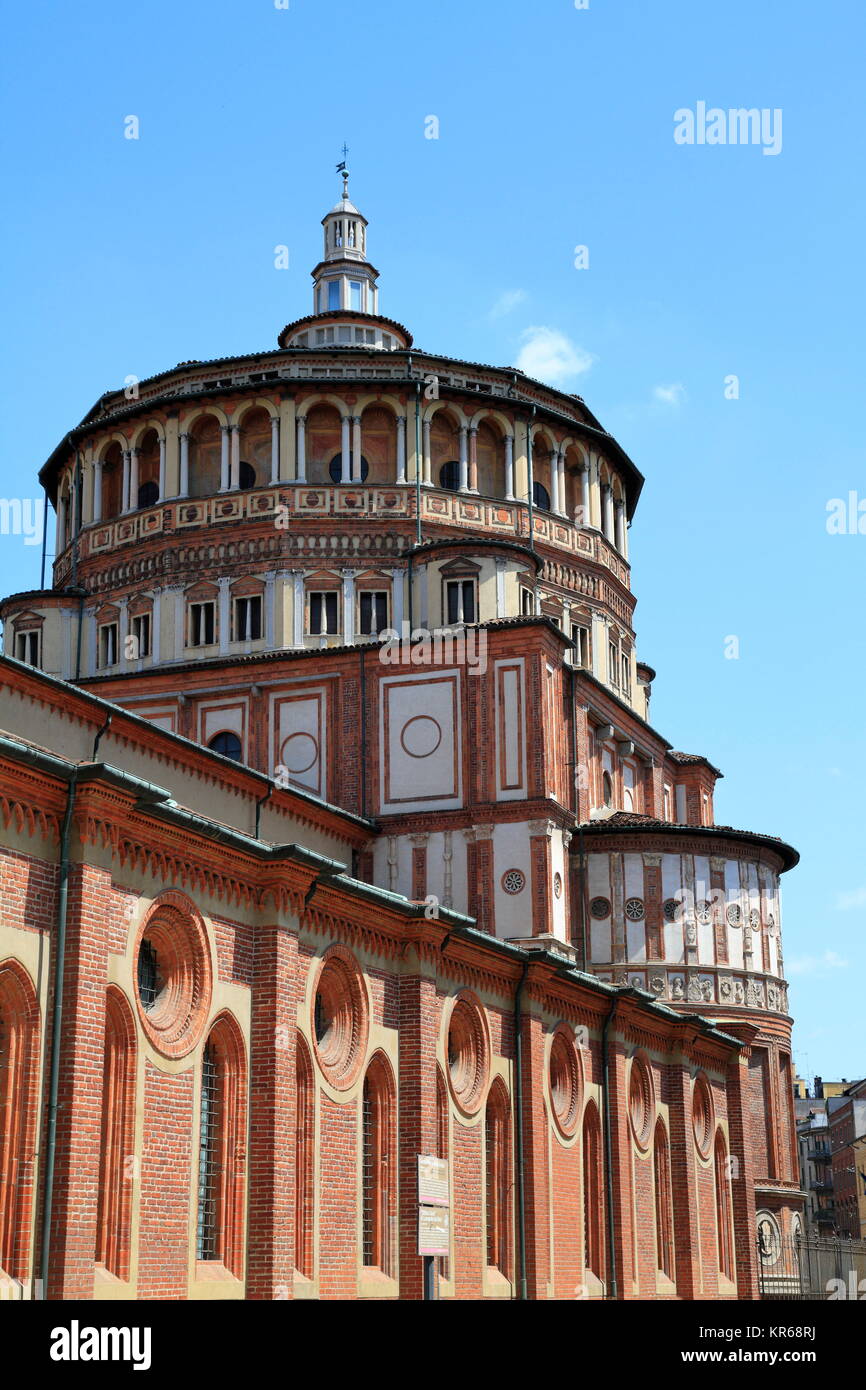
point(335, 833)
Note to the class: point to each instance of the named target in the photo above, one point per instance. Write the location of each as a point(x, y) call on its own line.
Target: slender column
point(133, 480)
point(235, 458)
point(270, 579)
point(124, 505)
point(224, 613)
point(92, 640)
point(509, 468)
point(357, 468)
point(161, 467)
point(561, 471)
point(348, 606)
point(473, 460)
point(500, 588)
point(401, 449)
point(298, 614)
point(584, 495)
point(607, 511)
point(301, 475)
point(154, 628)
point(346, 459)
point(427, 462)
point(397, 601)
point(619, 527)
point(225, 431)
point(464, 460)
point(97, 490)
point(275, 448)
point(122, 631)
point(179, 623)
point(184, 465)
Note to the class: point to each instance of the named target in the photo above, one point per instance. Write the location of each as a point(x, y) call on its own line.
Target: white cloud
point(508, 300)
point(550, 356)
point(816, 965)
point(674, 394)
point(855, 898)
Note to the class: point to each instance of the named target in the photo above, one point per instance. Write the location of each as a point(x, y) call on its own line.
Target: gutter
point(519, 1137)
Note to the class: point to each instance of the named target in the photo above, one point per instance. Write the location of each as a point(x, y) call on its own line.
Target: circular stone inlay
point(421, 735)
point(299, 753)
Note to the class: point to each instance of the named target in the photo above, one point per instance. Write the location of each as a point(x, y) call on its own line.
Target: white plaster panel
point(420, 736)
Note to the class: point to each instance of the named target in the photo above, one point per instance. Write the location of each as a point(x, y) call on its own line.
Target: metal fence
point(813, 1268)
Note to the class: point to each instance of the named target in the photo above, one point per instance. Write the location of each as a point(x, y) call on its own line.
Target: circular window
point(514, 880)
point(634, 909)
point(734, 915)
point(335, 469)
point(599, 908)
point(173, 975)
point(754, 918)
point(640, 1102)
point(340, 1020)
point(557, 885)
point(704, 912)
point(564, 1081)
point(228, 744)
point(671, 909)
point(702, 1116)
point(467, 1054)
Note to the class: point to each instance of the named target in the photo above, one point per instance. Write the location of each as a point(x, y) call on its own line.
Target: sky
point(712, 320)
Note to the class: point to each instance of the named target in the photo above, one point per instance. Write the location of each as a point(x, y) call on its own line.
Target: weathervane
point(341, 169)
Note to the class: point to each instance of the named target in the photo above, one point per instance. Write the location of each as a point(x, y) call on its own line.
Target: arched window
point(540, 497)
point(496, 1129)
point(222, 1126)
point(442, 1141)
point(19, 1014)
point(723, 1208)
point(304, 1160)
point(593, 1194)
point(228, 744)
point(335, 468)
point(148, 470)
point(449, 475)
point(663, 1202)
point(117, 1138)
point(379, 1167)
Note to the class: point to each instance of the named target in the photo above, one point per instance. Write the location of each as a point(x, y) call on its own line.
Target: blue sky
point(556, 129)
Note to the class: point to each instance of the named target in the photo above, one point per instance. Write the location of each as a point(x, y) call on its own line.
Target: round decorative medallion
point(754, 918)
point(771, 924)
point(173, 969)
point(640, 1102)
point(468, 1053)
point(769, 1238)
point(599, 908)
point(734, 915)
point(340, 1018)
point(704, 912)
point(671, 909)
point(564, 1081)
point(513, 881)
point(420, 736)
point(702, 1116)
point(557, 885)
point(634, 909)
point(299, 753)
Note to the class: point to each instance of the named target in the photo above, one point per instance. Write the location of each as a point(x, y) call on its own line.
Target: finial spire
point(342, 169)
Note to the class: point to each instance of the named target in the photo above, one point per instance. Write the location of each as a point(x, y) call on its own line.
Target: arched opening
point(255, 442)
point(117, 1137)
point(442, 1143)
point(724, 1233)
point(575, 502)
point(112, 481)
point(205, 457)
point(148, 470)
point(379, 443)
point(663, 1202)
point(378, 1175)
point(228, 744)
point(304, 1159)
point(542, 482)
point(490, 459)
point(324, 440)
point(593, 1194)
point(19, 1015)
point(497, 1154)
point(222, 1129)
point(445, 450)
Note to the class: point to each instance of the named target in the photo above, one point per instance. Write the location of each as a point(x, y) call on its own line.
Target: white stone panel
point(420, 739)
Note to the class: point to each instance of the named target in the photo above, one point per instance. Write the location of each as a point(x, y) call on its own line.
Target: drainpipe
point(44, 538)
point(608, 1147)
point(259, 804)
point(417, 463)
point(529, 481)
point(518, 1136)
point(363, 698)
point(81, 596)
point(56, 1022)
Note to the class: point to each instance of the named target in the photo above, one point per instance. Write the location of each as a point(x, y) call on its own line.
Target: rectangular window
point(202, 624)
point(141, 634)
point(247, 619)
point(107, 653)
point(27, 647)
point(374, 612)
point(625, 663)
point(460, 600)
point(323, 614)
point(355, 294)
point(613, 663)
point(580, 638)
point(333, 294)
point(527, 602)
point(668, 803)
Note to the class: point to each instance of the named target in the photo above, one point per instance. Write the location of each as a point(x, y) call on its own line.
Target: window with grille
point(148, 974)
point(442, 1144)
point(304, 1162)
point(324, 613)
point(373, 612)
point(27, 647)
point(496, 1140)
point(141, 633)
point(202, 624)
point(377, 1171)
point(206, 1245)
point(663, 1203)
point(460, 600)
point(107, 646)
point(248, 618)
point(593, 1201)
point(228, 744)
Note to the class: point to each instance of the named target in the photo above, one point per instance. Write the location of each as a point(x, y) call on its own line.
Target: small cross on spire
point(342, 169)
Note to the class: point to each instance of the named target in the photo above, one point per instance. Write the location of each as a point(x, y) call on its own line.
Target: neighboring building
point(846, 1120)
point(816, 1168)
point(336, 900)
